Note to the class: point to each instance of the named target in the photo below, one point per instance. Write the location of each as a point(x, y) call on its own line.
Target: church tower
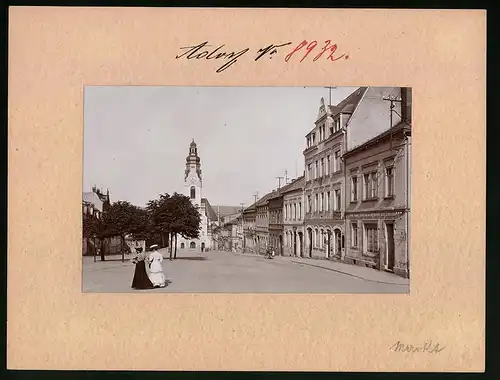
point(192, 176)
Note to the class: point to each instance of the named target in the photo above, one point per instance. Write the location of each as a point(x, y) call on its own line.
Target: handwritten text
point(205, 51)
point(427, 347)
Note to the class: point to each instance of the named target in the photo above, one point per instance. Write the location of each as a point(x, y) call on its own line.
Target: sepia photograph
point(246, 190)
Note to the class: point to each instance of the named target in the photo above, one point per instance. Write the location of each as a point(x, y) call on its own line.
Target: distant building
point(262, 223)
point(94, 204)
point(249, 234)
point(293, 217)
point(324, 178)
point(275, 205)
point(378, 168)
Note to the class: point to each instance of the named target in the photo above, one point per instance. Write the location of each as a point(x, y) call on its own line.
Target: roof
point(227, 210)
point(262, 201)
point(94, 199)
point(250, 208)
point(402, 126)
point(212, 215)
point(294, 185)
point(275, 194)
point(349, 104)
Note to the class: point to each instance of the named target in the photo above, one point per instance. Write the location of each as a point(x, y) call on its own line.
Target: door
point(390, 246)
point(338, 242)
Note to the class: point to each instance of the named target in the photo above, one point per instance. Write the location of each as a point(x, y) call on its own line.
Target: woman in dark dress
point(141, 279)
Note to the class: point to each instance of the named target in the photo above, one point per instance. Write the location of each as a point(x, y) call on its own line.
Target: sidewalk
point(357, 271)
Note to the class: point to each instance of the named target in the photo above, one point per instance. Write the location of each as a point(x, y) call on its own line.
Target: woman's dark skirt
point(141, 279)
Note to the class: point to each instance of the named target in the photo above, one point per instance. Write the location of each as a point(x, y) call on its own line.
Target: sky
point(136, 138)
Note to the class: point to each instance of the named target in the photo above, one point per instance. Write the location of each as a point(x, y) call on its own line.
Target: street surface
point(226, 272)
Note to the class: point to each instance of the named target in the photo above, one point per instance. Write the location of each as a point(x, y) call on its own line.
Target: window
point(322, 167)
point(389, 181)
point(316, 202)
point(309, 171)
point(295, 211)
point(337, 200)
point(354, 188)
point(371, 238)
point(309, 203)
point(193, 192)
point(336, 125)
point(366, 178)
point(374, 186)
point(336, 161)
point(316, 175)
point(300, 210)
point(328, 201)
point(354, 235)
point(370, 185)
point(328, 168)
point(322, 202)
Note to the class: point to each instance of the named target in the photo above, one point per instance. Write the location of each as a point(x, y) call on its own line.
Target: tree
point(92, 229)
point(180, 217)
point(123, 218)
point(158, 226)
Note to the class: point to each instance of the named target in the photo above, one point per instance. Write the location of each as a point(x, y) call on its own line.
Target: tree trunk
point(101, 244)
point(121, 246)
point(171, 245)
point(162, 239)
point(175, 248)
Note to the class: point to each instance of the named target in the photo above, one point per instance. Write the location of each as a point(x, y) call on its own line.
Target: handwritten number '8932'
point(310, 47)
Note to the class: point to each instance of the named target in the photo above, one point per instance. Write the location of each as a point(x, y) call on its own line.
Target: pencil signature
point(427, 347)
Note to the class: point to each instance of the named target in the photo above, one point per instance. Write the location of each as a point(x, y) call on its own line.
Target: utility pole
point(242, 232)
point(330, 90)
point(279, 181)
point(392, 100)
point(256, 196)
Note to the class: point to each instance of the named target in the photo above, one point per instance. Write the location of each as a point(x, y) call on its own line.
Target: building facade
point(262, 223)
point(275, 204)
point(293, 218)
point(324, 179)
point(378, 185)
point(250, 237)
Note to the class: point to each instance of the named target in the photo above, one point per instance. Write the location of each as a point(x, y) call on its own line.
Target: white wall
point(372, 117)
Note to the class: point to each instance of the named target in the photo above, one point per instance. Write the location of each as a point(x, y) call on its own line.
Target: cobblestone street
point(225, 272)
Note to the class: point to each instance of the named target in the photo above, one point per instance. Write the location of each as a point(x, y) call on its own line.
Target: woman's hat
point(153, 246)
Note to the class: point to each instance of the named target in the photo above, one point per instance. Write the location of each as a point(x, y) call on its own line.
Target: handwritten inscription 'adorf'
point(427, 347)
point(198, 52)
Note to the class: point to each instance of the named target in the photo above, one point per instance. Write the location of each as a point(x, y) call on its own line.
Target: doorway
point(310, 236)
point(338, 242)
point(391, 257)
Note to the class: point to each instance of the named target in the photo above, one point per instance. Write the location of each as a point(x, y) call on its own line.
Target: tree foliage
point(171, 215)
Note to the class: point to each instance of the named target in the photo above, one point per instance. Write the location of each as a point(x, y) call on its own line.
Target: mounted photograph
point(246, 190)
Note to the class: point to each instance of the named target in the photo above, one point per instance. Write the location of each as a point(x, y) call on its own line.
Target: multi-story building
point(275, 204)
point(250, 237)
point(262, 223)
point(324, 178)
point(378, 181)
point(293, 217)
